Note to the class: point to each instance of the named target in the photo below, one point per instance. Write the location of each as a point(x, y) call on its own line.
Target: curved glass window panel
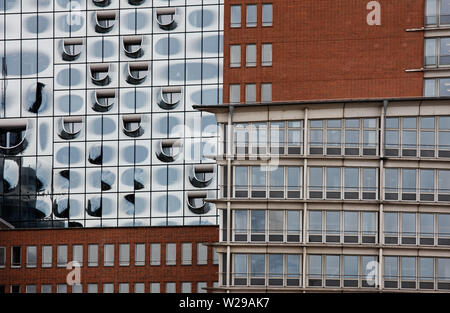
point(100, 74)
point(137, 72)
point(169, 149)
point(104, 21)
point(72, 48)
point(443, 224)
point(63, 207)
point(102, 3)
point(70, 127)
point(132, 46)
point(165, 17)
point(10, 175)
point(170, 97)
point(240, 265)
point(68, 103)
point(131, 125)
point(13, 136)
point(104, 99)
point(66, 154)
point(201, 175)
point(196, 202)
point(391, 224)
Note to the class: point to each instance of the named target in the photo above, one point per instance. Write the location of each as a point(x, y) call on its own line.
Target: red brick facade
point(117, 274)
point(326, 50)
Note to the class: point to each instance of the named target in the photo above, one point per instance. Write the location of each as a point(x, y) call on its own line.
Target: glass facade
point(97, 126)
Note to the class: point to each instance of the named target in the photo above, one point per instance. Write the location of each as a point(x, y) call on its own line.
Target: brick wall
point(325, 49)
point(130, 274)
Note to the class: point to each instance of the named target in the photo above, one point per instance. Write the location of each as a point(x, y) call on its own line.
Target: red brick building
point(157, 259)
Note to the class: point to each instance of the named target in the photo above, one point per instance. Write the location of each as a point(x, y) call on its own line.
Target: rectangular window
point(61, 256)
point(266, 92)
point(240, 269)
point(444, 87)
point(124, 288)
point(351, 223)
point(293, 226)
point(426, 228)
point(30, 289)
point(333, 219)
point(31, 256)
point(426, 271)
point(443, 185)
point(2, 256)
point(333, 182)
point(408, 272)
point(155, 254)
point(124, 254)
point(46, 288)
point(240, 225)
point(108, 288)
point(391, 184)
point(259, 175)
point(155, 288)
point(257, 269)
point(171, 254)
point(251, 15)
point(267, 14)
point(314, 270)
point(293, 269)
point(266, 54)
point(315, 226)
point(171, 287)
point(351, 183)
point(429, 87)
point(431, 15)
point(276, 221)
point(444, 136)
point(139, 288)
point(77, 254)
point(391, 272)
point(202, 254)
point(408, 184)
point(185, 287)
point(186, 253)
point(250, 55)
point(46, 256)
point(369, 226)
point(16, 256)
point(235, 16)
point(369, 183)
point(92, 288)
point(61, 288)
point(215, 256)
point(426, 185)
point(77, 288)
point(444, 11)
point(15, 289)
point(350, 270)
point(235, 93)
point(250, 93)
point(443, 265)
point(235, 55)
point(108, 255)
point(258, 225)
point(92, 255)
point(332, 270)
point(276, 269)
point(444, 228)
point(430, 52)
point(139, 254)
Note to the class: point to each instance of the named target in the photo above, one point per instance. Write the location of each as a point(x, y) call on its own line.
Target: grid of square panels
point(81, 165)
